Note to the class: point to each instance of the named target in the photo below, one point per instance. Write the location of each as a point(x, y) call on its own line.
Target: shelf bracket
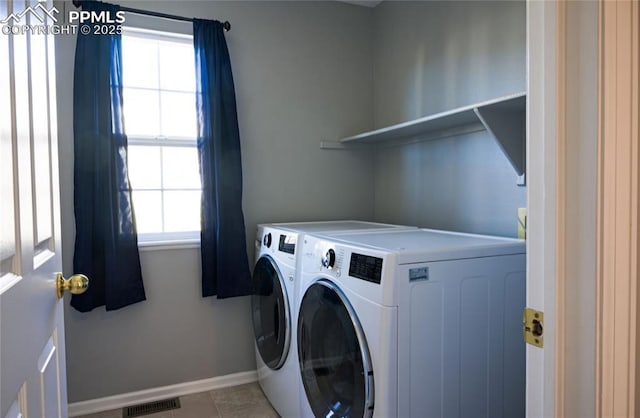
point(508, 126)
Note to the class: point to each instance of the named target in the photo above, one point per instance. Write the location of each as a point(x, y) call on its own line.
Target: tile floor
point(244, 401)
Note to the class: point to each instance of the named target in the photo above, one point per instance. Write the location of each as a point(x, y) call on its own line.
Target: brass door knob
point(76, 284)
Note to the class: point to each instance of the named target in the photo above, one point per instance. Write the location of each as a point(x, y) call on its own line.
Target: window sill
point(174, 244)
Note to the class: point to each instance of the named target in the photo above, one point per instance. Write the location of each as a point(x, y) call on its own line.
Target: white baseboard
point(155, 394)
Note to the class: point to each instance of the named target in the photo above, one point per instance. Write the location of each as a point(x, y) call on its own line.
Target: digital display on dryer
point(366, 267)
point(287, 244)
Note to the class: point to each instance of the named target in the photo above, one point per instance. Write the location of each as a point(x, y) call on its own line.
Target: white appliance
point(273, 318)
point(339, 227)
point(414, 323)
point(274, 305)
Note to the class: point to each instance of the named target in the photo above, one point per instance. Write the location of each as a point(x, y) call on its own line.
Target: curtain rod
point(226, 24)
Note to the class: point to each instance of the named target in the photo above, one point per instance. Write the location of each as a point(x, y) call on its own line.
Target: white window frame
point(162, 240)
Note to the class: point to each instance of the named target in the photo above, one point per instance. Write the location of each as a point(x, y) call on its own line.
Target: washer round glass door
point(270, 312)
point(334, 359)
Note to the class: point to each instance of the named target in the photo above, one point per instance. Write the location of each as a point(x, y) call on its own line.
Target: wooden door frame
point(563, 187)
point(617, 222)
point(616, 390)
point(561, 208)
point(576, 148)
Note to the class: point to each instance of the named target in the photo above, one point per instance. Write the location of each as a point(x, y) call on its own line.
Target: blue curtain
point(225, 265)
point(106, 246)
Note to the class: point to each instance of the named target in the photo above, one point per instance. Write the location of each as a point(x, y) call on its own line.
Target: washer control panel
point(365, 267)
point(319, 255)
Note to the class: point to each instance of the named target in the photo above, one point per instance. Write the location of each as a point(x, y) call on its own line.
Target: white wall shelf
point(504, 118)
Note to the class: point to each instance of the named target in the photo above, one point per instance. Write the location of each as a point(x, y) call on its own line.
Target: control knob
point(267, 240)
point(329, 259)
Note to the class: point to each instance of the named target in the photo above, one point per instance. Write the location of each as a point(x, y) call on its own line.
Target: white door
point(32, 353)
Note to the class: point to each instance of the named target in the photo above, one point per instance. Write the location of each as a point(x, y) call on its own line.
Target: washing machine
point(414, 323)
point(274, 304)
point(272, 315)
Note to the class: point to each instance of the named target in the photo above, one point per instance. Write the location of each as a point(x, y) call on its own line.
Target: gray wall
point(303, 74)
point(434, 56)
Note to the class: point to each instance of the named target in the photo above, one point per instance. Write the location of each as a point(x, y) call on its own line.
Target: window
point(160, 120)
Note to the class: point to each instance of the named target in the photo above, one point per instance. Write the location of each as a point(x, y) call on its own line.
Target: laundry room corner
point(430, 57)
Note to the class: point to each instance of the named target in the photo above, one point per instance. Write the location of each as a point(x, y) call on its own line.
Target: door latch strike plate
point(533, 327)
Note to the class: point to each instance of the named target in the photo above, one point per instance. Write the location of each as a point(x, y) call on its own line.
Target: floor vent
point(150, 408)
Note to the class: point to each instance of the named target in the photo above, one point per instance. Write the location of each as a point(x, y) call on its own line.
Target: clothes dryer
point(415, 323)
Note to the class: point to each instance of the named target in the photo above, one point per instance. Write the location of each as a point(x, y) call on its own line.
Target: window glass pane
point(178, 115)
point(7, 210)
point(148, 210)
point(159, 101)
point(144, 167)
point(181, 168)
point(177, 66)
point(141, 112)
point(139, 62)
point(181, 211)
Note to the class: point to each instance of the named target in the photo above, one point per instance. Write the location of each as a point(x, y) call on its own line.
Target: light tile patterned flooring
point(244, 401)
